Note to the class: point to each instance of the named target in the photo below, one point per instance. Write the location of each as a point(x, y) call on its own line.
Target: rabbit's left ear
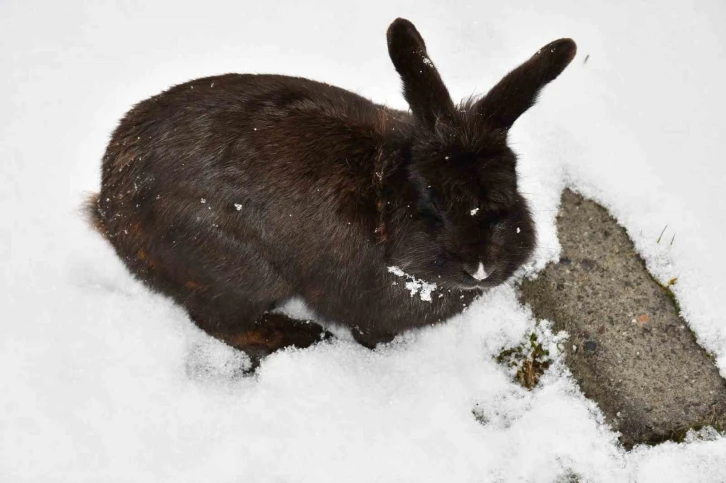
point(518, 90)
point(423, 88)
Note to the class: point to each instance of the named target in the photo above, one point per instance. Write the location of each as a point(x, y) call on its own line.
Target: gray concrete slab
point(629, 349)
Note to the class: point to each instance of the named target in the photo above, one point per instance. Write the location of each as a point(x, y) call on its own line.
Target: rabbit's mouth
point(469, 288)
point(466, 282)
point(475, 280)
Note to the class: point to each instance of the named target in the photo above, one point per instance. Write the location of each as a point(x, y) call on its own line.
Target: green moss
point(569, 477)
point(667, 289)
point(530, 359)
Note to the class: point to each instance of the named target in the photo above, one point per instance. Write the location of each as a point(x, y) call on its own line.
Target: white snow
point(104, 381)
point(415, 285)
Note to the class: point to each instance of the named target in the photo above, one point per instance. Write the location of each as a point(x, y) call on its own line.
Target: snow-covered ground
point(101, 380)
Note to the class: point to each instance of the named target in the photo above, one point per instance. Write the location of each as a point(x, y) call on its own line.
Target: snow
point(415, 285)
point(104, 381)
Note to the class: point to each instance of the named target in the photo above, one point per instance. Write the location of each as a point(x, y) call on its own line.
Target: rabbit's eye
point(430, 208)
point(431, 216)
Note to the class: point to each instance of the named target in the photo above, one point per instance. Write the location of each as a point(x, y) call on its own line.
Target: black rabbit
point(232, 194)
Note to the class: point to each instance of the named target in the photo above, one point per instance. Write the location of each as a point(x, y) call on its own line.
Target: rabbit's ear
point(422, 86)
point(518, 90)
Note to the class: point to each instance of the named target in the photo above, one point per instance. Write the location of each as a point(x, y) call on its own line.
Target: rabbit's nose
point(480, 273)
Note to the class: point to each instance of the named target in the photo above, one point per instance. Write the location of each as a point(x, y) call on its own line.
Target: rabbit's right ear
point(423, 88)
point(518, 90)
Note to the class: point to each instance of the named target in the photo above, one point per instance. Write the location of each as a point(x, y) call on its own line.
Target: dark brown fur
point(232, 194)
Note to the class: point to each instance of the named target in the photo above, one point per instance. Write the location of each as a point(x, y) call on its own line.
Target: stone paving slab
point(629, 350)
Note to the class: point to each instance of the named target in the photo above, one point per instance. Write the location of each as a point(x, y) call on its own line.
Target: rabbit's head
point(473, 228)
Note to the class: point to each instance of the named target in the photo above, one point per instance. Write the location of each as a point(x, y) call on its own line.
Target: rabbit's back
point(235, 122)
point(242, 145)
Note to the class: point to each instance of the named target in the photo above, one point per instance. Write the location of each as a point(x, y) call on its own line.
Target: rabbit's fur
point(232, 194)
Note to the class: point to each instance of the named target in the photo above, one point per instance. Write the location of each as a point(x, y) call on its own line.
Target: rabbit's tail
point(93, 214)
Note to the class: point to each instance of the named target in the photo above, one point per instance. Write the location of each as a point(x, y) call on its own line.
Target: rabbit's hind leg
point(251, 328)
point(232, 301)
point(274, 331)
